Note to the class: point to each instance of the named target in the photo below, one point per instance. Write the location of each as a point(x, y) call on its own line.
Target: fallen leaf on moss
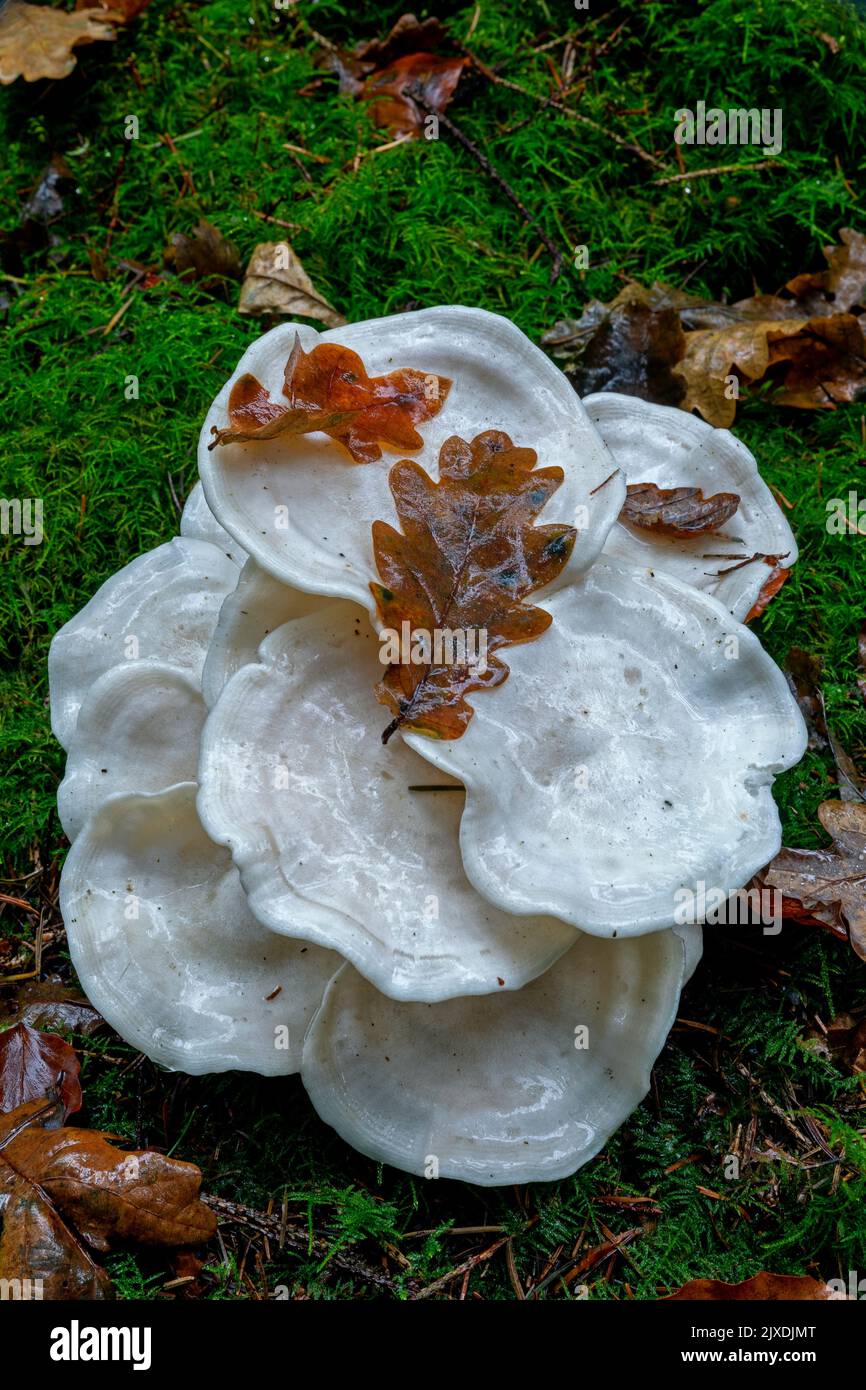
point(32, 1064)
point(842, 285)
point(328, 389)
point(36, 41)
point(762, 1288)
point(676, 511)
point(631, 345)
point(380, 71)
point(125, 9)
point(843, 1042)
point(50, 1005)
point(203, 255)
point(674, 348)
point(69, 1191)
point(389, 91)
point(467, 557)
point(829, 885)
point(275, 282)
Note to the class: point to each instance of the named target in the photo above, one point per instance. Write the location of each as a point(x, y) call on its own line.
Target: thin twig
point(717, 169)
point(629, 145)
point(297, 1240)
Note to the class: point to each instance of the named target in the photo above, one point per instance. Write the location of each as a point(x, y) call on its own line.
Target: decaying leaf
point(761, 1288)
point(203, 255)
point(50, 1005)
point(467, 557)
point(861, 657)
point(127, 9)
point(384, 71)
point(631, 345)
point(677, 511)
point(829, 885)
point(34, 1063)
point(674, 348)
point(390, 92)
point(817, 363)
point(69, 1189)
point(328, 389)
point(36, 41)
point(842, 285)
point(843, 1042)
point(276, 283)
point(778, 576)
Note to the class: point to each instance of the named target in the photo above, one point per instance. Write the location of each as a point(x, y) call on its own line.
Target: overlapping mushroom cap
point(467, 947)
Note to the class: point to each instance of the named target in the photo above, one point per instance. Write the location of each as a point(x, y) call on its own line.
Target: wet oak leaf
point(328, 389)
point(763, 1287)
point(829, 885)
point(467, 557)
point(36, 41)
point(32, 1064)
point(68, 1189)
point(677, 511)
point(816, 363)
point(390, 92)
point(49, 1004)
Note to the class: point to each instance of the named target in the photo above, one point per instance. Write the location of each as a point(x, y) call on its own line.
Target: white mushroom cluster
point(468, 948)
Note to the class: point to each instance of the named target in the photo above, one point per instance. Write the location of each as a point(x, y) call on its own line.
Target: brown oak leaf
point(32, 1063)
point(828, 886)
point(677, 511)
point(842, 285)
point(772, 584)
point(68, 1191)
point(36, 41)
point(763, 1288)
point(467, 557)
point(328, 389)
point(384, 73)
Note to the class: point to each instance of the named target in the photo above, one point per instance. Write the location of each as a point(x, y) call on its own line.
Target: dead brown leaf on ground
point(806, 343)
point(383, 72)
point(203, 255)
point(275, 282)
point(37, 41)
point(827, 887)
point(34, 1063)
point(69, 1192)
point(761, 1288)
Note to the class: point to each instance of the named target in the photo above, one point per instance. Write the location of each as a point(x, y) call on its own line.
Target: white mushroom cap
point(198, 521)
point(258, 606)
point(332, 843)
point(503, 1089)
point(303, 510)
point(630, 755)
point(167, 950)
point(138, 730)
point(163, 606)
point(659, 444)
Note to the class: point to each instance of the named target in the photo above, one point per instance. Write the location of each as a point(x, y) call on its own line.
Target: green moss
point(404, 227)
